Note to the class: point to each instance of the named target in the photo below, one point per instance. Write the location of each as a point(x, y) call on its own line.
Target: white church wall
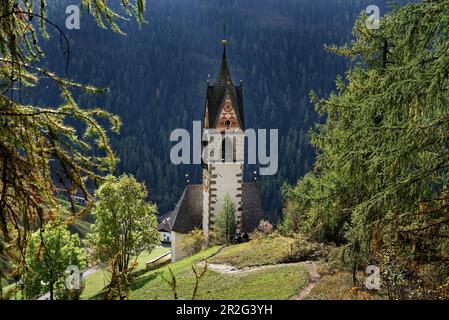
point(224, 178)
point(176, 252)
point(205, 213)
point(228, 180)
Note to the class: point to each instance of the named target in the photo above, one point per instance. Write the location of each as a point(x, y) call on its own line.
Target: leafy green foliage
point(49, 253)
point(192, 242)
point(125, 226)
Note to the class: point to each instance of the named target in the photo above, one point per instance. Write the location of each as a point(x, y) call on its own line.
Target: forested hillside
point(379, 187)
point(157, 76)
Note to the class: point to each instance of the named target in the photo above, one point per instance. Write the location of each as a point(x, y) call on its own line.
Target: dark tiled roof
point(165, 222)
point(216, 94)
point(188, 213)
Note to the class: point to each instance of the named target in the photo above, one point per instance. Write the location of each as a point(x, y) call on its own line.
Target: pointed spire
point(224, 76)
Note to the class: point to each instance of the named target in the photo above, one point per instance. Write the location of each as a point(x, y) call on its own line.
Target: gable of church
point(228, 116)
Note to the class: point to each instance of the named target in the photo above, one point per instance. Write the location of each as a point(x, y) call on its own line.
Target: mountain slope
point(157, 74)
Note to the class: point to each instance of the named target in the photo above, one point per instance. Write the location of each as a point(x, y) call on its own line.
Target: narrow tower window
point(227, 150)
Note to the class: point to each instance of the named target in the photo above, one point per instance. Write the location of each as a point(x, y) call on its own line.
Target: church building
point(223, 151)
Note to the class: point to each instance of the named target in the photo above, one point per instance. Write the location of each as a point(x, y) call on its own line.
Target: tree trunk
point(51, 291)
point(354, 273)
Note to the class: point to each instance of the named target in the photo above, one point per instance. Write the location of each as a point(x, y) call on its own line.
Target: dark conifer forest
point(157, 76)
point(357, 210)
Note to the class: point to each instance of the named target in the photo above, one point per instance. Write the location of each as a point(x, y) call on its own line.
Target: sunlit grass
point(98, 280)
point(271, 250)
point(278, 282)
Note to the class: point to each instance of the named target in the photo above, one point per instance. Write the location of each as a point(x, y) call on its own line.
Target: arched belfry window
point(228, 151)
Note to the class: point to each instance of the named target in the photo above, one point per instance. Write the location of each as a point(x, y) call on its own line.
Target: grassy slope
point(280, 282)
point(81, 226)
point(95, 283)
point(272, 250)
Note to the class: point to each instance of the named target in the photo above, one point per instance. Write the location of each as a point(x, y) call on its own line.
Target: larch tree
point(46, 149)
point(380, 182)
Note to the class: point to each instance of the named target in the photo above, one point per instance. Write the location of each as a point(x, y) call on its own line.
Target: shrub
point(303, 249)
point(192, 242)
point(265, 228)
point(215, 238)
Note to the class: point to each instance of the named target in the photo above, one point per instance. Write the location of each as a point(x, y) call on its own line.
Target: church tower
point(223, 151)
point(222, 147)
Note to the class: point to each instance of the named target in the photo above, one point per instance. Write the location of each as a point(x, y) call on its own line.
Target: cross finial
point(224, 42)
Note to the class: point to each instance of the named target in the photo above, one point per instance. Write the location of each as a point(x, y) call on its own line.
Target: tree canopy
point(380, 180)
point(46, 149)
point(125, 226)
point(49, 254)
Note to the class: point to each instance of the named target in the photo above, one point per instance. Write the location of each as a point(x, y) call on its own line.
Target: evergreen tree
point(380, 181)
point(45, 149)
point(225, 221)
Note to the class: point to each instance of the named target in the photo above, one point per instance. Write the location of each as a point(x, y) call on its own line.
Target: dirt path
point(314, 277)
point(228, 269)
point(311, 267)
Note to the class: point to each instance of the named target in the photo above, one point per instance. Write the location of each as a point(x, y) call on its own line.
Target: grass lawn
point(81, 226)
point(280, 282)
point(95, 282)
point(259, 252)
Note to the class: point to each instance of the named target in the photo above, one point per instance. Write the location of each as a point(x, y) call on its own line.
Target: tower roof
point(217, 93)
point(224, 76)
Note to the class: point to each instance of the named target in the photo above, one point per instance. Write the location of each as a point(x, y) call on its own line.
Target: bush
point(215, 238)
point(265, 227)
point(192, 242)
point(263, 230)
point(404, 279)
point(303, 249)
